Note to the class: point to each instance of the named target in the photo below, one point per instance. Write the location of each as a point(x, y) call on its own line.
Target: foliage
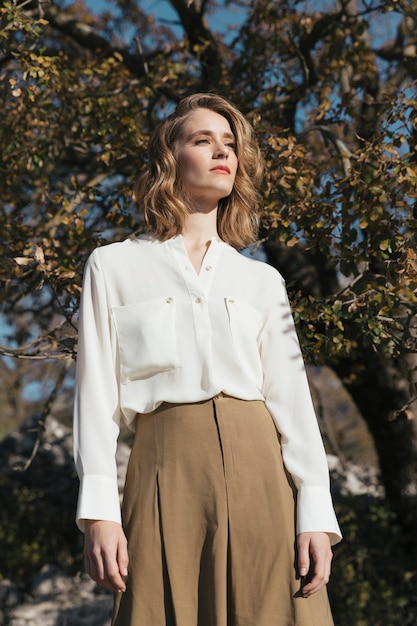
point(79, 107)
point(374, 576)
point(34, 531)
point(331, 91)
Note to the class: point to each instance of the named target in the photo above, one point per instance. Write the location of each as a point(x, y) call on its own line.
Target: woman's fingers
point(105, 554)
point(314, 558)
point(122, 556)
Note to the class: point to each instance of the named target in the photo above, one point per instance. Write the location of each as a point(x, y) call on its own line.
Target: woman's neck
point(199, 230)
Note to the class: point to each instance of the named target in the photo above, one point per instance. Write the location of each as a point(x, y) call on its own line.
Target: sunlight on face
point(206, 155)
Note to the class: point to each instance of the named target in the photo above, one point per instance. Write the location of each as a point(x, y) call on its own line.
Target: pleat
point(147, 599)
point(264, 589)
point(208, 511)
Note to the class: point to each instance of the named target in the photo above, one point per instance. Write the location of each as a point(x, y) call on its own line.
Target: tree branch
point(345, 154)
point(201, 39)
point(40, 426)
point(89, 38)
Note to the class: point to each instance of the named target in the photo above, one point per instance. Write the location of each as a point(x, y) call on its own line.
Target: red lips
point(220, 168)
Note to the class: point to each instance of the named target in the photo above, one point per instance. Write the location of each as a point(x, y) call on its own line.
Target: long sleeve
point(96, 410)
point(287, 396)
point(152, 330)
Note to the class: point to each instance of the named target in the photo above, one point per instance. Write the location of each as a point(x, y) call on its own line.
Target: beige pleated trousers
point(208, 512)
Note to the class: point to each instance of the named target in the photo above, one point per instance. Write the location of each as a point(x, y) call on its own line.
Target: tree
point(331, 92)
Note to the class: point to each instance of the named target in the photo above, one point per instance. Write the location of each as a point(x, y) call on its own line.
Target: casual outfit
point(228, 462)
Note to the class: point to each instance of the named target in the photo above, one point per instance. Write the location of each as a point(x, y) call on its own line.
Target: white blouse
point(152, 330)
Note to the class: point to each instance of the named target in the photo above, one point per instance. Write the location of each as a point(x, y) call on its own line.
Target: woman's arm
point(96, 407)
point(287, 397)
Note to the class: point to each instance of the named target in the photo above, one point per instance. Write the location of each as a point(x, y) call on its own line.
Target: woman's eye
point(206, 140)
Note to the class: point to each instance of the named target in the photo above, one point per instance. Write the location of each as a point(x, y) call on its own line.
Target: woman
point(227, 515)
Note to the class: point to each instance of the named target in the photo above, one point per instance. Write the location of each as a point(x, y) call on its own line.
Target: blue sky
point(226, 17)
point(222, 20)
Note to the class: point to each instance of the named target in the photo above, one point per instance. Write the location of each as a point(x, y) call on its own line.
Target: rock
point(50, 581)
point(54, 599)
point(10, 594)
point(58, 600)
point(351, 479)
point(52, 467)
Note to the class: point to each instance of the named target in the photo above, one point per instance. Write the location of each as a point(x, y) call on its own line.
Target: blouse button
point(199, 300)
point(208, 268)
point(168, 300)
point(231, 300)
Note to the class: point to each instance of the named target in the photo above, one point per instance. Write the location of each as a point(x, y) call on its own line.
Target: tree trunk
point(382, 396)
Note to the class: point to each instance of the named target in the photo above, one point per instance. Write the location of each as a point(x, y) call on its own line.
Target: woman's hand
point(314, 558)
point(105, 553)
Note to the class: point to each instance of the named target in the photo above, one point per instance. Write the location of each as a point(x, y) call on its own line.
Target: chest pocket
point(147, 338)
point(245, 325)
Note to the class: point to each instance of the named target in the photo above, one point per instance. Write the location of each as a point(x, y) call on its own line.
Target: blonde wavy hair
point(158, 190)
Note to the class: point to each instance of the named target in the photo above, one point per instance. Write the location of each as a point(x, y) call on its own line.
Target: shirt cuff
point(315, 513)
point(98, 499)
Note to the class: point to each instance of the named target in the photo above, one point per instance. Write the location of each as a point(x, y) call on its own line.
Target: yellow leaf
point(39, 255)
point(292, 242)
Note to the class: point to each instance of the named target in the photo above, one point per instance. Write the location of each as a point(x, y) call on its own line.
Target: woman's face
point(206, 155)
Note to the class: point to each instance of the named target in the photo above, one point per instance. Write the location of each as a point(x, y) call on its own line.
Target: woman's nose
point(221, 152)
